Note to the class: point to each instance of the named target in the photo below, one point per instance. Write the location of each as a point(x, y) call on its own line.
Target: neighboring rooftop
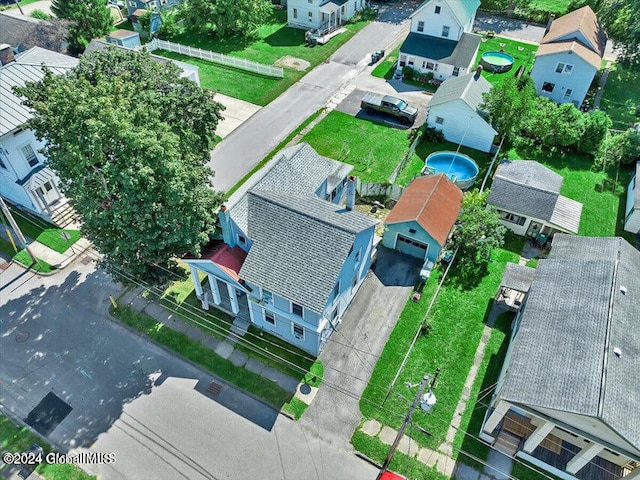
point(23, 33)
point(27, 67)
point(300, 244)
point(517, 277)
point(297, 170)
point(433, 201)
point(122, 34)
point(459, 54)
point(463, 10)
point(584, 302)
point(469, 88)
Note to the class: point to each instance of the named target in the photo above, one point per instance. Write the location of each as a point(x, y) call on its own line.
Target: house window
point(512, 218)
point(412, 230)
point(310, 16)
point(456, 71)
point(295, 13)
point(298, 331)
point(437, 10)
point(568, 92)
point(429, 65)
point(2, 164)
point(548, 87)
point(439, 120)
point(269, 318)
point(334, 314)
point(267, 297)
point(47, 187)
point(29, 155)
point(296, 309)
point(241, 239)
point(336, 290)
point(358, 256)
point(420, 26)
point(564, 68)
point(445, 31)
point(342, 10)
point(354, 283)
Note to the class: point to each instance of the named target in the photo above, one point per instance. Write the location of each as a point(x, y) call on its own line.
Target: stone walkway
point(601, 85)
point(224, 348)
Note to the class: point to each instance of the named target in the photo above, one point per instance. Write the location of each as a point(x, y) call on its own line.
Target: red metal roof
point(228, 259)
point(433, 201)
point(387, 475)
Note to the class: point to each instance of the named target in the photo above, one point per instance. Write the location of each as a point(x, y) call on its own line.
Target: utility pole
point(16, 229)
point(406, 422)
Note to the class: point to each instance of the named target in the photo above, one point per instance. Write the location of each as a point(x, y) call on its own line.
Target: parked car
point(386, 104)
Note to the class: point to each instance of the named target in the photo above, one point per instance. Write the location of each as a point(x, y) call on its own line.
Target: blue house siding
point(391, 233)
point(566, 88)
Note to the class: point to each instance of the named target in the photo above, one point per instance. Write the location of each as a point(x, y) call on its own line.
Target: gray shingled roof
point(517, 277)
point(469, 88)
point(297, 170)
point(576, 314)
point(26, 68)
point(528, 188)
point(23, 32)
point(458, 54)
point(299, 246)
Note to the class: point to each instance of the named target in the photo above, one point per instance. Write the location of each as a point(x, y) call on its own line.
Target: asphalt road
point(138, 400)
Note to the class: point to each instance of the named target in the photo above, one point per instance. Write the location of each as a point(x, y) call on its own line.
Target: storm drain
point(214, 388)
point(86, 260)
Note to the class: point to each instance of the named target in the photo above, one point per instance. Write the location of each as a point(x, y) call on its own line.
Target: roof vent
point(623, 289)
point(618, 352)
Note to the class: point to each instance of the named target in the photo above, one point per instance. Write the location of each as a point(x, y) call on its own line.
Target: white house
point(321, 14)
point(455, 109)
point(632, 212)
point(527, 196)
point(440, 40)
point(567, 398)
point(25, 180)
point(569, 56)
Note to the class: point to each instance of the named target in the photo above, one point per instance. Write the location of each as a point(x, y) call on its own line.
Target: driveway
point(85, 382)
point(352, 351)
point(235, 114)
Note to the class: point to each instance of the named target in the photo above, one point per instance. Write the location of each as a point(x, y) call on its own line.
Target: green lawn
point(457, 321)
point(621, 97)
point(551, 6)
point(275, 40)
point(16, 439)
point(42, 231)
point(522, 53)
point(385, 68)
point(372, 148)
point(22, 3)
point(602, 212)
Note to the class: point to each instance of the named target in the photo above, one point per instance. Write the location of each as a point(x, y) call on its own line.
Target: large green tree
point(619, 148)
point(130, 141)
point(622, 22)
point(225, 18)
point(90, 19)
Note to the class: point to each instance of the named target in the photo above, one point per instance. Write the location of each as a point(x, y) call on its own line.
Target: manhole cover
point(22, 337)
point(214, 388)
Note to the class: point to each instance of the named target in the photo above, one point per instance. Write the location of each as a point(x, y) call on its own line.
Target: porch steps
point(64, 216)
point(240, 326)
point(507, 443)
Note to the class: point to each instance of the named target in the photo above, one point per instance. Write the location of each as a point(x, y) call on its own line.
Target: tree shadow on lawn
point(286, 37)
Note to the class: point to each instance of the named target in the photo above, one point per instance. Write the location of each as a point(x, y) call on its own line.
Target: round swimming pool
point(496, 62)
point(460, 168)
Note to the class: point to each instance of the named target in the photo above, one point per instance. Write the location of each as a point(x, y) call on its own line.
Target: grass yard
point(621, 97)
point(385, 68)
point(456, 324)
point(275, 40)
point(372, 148)
point(551, 6)
point(523, 54)
point(17, 439)
point(42, 231)
point(602, 212)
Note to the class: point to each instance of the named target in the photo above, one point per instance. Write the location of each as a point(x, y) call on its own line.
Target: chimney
point(225, 226)
point(552, 17)
point(6, 54)
point(478, 72)
point(351, 192)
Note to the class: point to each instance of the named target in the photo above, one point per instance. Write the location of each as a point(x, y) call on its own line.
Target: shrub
point(39, 14)
point(408, 73)
point(433, 135)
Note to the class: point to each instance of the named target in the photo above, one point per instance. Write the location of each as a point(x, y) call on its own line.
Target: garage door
point(411, 247)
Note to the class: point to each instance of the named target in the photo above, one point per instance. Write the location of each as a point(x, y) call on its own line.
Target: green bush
point(433, 135)
point(408, 73)
point(39, 14)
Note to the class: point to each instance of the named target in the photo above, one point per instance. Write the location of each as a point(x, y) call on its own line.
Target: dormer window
point(437, 10)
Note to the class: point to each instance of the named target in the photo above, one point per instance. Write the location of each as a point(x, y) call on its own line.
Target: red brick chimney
point(6, 54)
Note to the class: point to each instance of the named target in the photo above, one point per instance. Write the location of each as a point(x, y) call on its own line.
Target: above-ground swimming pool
point(460, 168)
point(496, 62)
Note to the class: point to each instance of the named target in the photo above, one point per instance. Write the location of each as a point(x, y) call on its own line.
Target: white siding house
point(25, 180)
point(569, 56)
point(321, 14)
point(632, 212)
point(455, 109)
point(440, 39)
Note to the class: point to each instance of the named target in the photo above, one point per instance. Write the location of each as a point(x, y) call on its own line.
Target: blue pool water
point(460, 168)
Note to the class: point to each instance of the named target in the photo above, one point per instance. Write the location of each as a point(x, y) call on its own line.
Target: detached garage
point(421, 221)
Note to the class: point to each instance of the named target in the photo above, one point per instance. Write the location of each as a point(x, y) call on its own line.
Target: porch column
point(196, 280)
point(537, 436)
point(583, 457)
point(494, 419)
point(235, 308)
point(215, 291)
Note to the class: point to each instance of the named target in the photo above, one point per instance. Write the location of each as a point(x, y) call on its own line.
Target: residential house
point(440, 40)
point(25, 179)
point(455, 110)
point(124, 38)
point(527, 196)
point(569, 56)
point(632, 211)
point(150, 5)
point(290, 254)
point(23, 33)
point(567, 398)
point(420, 223)
point(321, 14)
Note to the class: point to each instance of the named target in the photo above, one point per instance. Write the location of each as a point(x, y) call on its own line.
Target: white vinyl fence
point(234, 62)
point(379, 189)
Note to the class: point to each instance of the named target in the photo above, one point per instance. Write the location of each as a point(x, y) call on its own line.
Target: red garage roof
point(433, 201)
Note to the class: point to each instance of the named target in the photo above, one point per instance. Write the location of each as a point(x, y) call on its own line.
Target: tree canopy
point(90, 19)
point(619, 148)
point(225, 18)
point(622, 22)
point(130, 140)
